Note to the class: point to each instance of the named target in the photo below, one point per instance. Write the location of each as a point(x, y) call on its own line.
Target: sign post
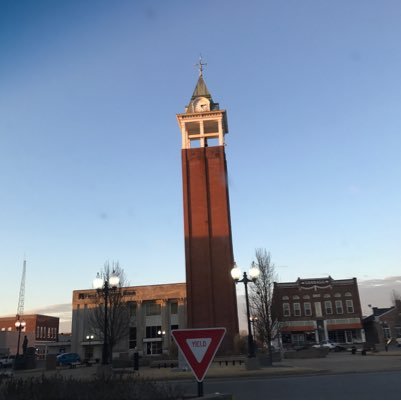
point(199, 346)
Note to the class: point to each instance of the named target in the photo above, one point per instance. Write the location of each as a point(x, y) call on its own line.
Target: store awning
point(298, 328)
point(344, 326)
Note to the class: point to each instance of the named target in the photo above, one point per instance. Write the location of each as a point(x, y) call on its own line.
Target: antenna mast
point(21, 299)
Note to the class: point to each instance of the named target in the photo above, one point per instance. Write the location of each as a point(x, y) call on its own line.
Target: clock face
point(201, 104)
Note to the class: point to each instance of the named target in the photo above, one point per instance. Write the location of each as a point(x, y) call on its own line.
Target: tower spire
point(200, 66)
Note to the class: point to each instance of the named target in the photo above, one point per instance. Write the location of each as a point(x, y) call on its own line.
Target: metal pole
point(200, 389)
point(105, 356)
point(19, 339)
point(251, 351)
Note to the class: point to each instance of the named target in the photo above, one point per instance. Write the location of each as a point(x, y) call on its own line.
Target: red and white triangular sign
point(199, 346)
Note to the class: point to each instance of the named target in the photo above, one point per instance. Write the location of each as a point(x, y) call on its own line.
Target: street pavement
point(339, 362)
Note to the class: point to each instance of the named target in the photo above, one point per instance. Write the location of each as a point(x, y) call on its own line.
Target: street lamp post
point(161, 334)
point(253, 274)
point(104, 287)
point(90, 338)
point(253, 320)
point(19, 325)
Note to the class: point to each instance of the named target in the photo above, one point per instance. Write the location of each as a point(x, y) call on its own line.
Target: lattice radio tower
point(21, 299)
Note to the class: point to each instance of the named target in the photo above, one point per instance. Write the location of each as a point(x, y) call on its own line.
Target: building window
point(328, 307)
point(174, 308)
point(174, 327)
point(307, 309)
point(132, 337)
point(350, 306)
point(337, 295)
point(37, 332)
point(285, 298)
point(151, 331)
point(318, 309)
point(397, 331)
point(348, 294)
point(316, 295)
point(297, 309)
point(295, 297)
point(339, 307)
point(286, 309)
point(154, 348)
point(386, 331)
point(153, 309)
point(306, 297)
point(132, 310)
point(326, 296)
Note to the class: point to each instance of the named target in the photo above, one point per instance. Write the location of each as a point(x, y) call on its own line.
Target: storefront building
point(309, 311)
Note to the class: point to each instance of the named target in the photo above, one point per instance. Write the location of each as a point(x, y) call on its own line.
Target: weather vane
point(200, 65)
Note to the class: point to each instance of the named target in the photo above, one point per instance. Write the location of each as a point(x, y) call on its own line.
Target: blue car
point(68, 359)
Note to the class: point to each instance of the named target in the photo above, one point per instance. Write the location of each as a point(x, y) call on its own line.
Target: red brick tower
point(211, 295)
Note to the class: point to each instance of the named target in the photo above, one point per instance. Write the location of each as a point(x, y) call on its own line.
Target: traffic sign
point(199, 346)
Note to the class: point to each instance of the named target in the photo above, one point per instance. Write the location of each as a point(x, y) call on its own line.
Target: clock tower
point(211, 294)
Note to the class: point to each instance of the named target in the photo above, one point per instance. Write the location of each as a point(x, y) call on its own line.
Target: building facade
point(383, 325)
point(308, 311)
point(211, 294)
point(40, 330)
point(152, 312)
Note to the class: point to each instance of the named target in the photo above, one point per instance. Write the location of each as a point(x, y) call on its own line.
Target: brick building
point(150, 309)
point(39, 329)
point(308, 311)
point(383, 324)
point(44, 328)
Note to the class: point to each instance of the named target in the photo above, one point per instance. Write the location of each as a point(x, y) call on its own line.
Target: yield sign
point(199, 346)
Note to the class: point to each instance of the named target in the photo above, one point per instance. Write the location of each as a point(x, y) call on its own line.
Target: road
point(357, 386)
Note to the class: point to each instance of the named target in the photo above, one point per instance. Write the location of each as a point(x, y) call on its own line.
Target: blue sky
point(90, 147)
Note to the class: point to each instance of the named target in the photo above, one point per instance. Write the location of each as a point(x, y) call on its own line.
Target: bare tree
point(117, 309)
point(261, 295)
point(395, 296)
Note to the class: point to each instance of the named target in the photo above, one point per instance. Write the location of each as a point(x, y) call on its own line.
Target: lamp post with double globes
point(104, 287)
point(89, 351)
point(253, 275)
point(19, 325)
point(161, 334)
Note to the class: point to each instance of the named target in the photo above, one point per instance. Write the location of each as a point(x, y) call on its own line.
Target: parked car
point(7, 361)
point(68, 359)
point(330, 345)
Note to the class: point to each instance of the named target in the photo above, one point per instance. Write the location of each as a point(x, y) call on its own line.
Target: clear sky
point(90, 148)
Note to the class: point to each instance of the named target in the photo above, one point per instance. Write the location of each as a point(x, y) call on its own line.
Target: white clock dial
point(201, 104)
